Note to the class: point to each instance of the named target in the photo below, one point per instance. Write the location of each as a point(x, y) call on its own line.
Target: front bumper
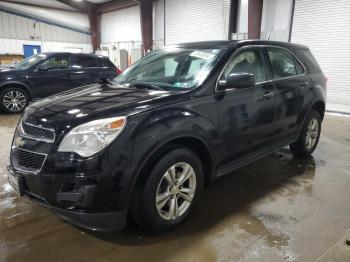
point(112, 221)
point(97, 221)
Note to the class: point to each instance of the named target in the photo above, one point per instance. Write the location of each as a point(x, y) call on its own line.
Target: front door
point(246, 116)
point(52, 76)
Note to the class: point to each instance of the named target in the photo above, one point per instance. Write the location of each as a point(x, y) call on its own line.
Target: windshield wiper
point(146, 86)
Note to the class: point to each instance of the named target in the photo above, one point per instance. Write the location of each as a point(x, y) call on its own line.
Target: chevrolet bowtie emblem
point(19, 142)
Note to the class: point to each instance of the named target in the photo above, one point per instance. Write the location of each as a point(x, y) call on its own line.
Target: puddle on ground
point(277, 209)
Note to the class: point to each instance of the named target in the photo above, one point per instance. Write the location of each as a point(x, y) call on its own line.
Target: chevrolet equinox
point(47, 74)
point(144, 145)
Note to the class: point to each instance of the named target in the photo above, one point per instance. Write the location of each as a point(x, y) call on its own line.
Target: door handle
point(304, 84)
point(267, 95)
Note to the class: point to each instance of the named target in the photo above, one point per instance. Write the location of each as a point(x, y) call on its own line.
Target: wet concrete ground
point(277, 209)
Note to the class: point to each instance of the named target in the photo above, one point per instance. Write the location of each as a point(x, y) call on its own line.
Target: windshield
point(29, 61)
point(171, 69)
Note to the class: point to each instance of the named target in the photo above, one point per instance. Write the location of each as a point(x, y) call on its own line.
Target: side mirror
point(237, 81)
point(43, 68)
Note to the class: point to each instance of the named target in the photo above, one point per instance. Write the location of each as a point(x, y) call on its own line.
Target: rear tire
point(13, 100)
point(309, 137)
point(170, 192)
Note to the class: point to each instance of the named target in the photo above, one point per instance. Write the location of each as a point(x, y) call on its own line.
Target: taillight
point(118, 71)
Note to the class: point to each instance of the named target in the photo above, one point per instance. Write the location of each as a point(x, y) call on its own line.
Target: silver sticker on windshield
point(202, 55)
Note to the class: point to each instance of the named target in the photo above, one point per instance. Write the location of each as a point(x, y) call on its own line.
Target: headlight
point(90, 138)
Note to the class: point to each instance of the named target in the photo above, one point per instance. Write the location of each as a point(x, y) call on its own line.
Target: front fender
point(160, 128)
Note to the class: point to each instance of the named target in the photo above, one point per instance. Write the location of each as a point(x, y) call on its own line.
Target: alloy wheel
point(14, 101)
point(176, 191)
point(311, 134)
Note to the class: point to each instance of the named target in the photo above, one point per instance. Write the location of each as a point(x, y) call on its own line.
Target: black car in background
point(145, 145)
point(46, 74)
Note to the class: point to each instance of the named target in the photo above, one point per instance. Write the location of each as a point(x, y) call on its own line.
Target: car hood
point(4, 70)
point(92, 102)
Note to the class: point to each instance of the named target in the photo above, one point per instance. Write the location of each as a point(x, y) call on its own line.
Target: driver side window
point(248, 61)
point(54, 63)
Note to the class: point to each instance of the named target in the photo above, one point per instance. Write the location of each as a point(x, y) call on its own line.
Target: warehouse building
point(32, 26)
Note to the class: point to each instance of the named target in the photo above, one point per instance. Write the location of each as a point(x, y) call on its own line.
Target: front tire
point(171, 190)
point(13, 100)
point(309, 137)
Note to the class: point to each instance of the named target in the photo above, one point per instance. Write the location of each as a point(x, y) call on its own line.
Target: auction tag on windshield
point(202, 55)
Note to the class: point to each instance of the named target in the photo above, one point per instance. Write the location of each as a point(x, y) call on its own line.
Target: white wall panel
point(121, 26)
point(15, 31)
point(15, 46)
point(276, 18)
point(242, 21)
point(158, 20)
point(18, 27)
point(324, 26)
point(275, 24)
point(196, 20)
point(71, 19)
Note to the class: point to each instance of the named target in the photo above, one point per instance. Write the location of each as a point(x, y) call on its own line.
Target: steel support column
point(233, 18)
point(146, 24)
point(255, 8)
point(94, 18)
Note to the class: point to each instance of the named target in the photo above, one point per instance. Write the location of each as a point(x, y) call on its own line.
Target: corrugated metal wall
point(17, 30)
point(324, 26)
point(121, 30)
point(121, 26)
point(275, 24)
point(196, 20)
point(124, 25)
point(75, 20)
point(276, 19)
point(17, 27)
point(158, 22)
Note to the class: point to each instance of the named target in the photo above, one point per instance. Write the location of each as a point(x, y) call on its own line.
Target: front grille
point(27, 160)
point(39, 133)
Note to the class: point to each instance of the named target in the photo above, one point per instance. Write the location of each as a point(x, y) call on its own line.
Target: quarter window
point(85, 61)
point(282, 63)
point(249, 61)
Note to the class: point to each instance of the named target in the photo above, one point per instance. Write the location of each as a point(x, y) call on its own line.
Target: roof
point(237, 43)
point(68, 53)
point(268, 42)
point(207, 44)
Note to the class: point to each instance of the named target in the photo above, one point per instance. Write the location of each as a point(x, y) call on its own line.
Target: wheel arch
point(197, 145)
point(320, 107)
point(17, 85)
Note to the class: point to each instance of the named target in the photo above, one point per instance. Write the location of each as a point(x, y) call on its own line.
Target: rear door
point(85, 69)
point(290, 82)
point(246, 116)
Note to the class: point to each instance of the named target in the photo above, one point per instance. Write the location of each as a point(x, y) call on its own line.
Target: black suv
point(46, 74)
point(180, 117)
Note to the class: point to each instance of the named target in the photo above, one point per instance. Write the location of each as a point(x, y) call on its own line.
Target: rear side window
point(56, 62)
point(282, 63)
point(85, 61)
